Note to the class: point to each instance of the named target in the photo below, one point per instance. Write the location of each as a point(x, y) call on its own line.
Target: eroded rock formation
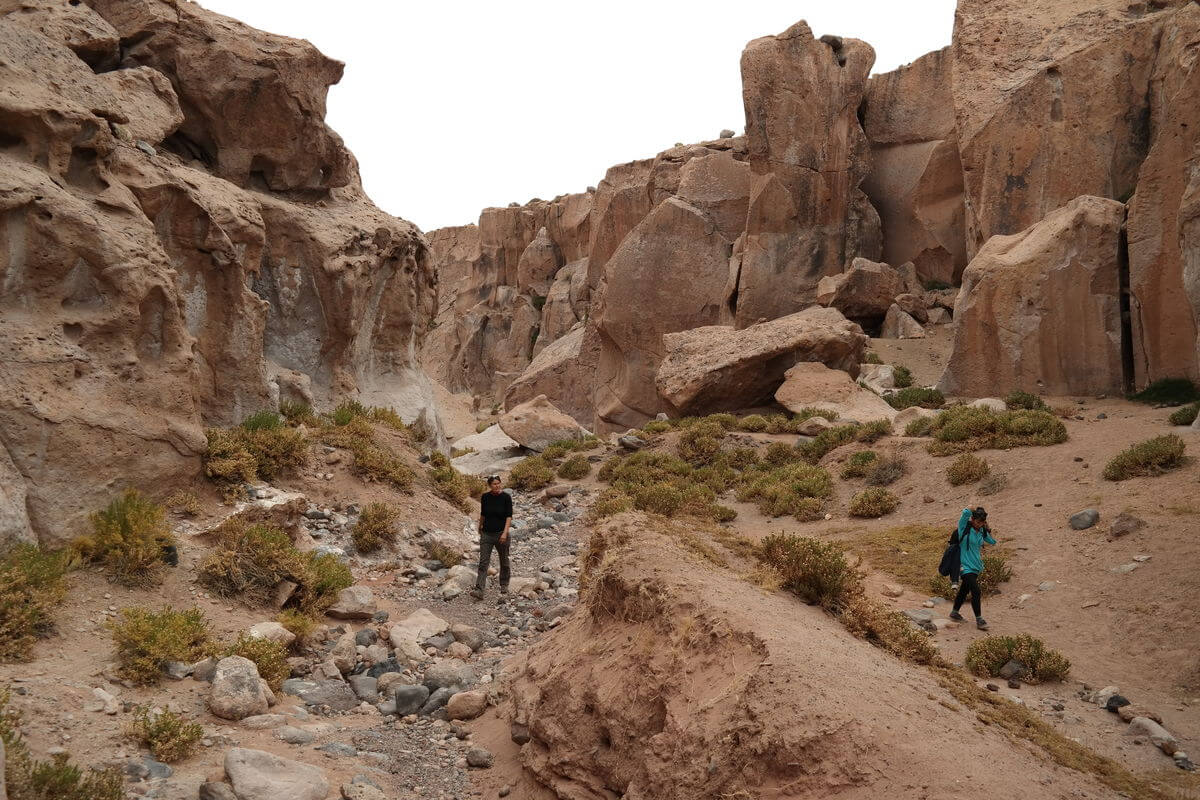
point(185, 242)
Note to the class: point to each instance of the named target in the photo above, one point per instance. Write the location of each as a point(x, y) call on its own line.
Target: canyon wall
point(185, 242)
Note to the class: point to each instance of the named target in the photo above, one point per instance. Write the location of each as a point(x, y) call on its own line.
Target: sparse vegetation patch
point(1151, 457)
point(146, 640)
point(964, 429)
point(128, 540)
point(987, 656)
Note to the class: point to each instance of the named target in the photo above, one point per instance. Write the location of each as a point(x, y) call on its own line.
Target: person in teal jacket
point(973, 533)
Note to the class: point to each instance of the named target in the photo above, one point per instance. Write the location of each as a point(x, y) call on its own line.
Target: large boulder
point(864, 292)
point(354, 602)
point(1040, 310)
point(257, 775)
point(237, 691)
point(537, 424)
point(719, 368)
point(564, 371)
point(808, 216)
point(1164, 215)
point(899, 324)
point(407, 635)
point(813, 385)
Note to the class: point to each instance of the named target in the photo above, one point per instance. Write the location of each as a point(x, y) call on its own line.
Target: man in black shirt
point(495, 515)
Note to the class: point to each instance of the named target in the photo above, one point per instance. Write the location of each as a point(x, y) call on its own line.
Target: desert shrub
point(808, 412)
point(985, 657)
point(610, 468)
point(658, 498)
point(268, 655)
point(919, 427)
point(873, 431)
point(858, 463)
point(886, 470)
point(323, 578)
point(296, 411)
point(872, 503)
point(443, 553)
point(301, 625)
point(372, 460)
point(720, 513)
point(815, 571)
point(1151, 457)
point(1184, 416)
point(995, 572)
point(168, 736)
point(27, 778)
point(347, 411)
point(915, 396)
point(262, 420)
point(532, 473)
point(727, 421)
point(1025, 400)
point(779, 423)
point(375, 527)
point(146, 640)
point(452, 485)
point(1168, 391)
point(185, 503)
point(656, 426)
point(264, 450)
point(700, 443)
point(740, 458)
point(574, 468)
point(128, 540)
point(964, 429)
point(871, 358)
point(483, 425)
point(992, 484)
point(753, 423)
point(32, 584)
point(226, 460)
point(902, 376)
point(610, 502)
point(793, 489)
point(249, 561)
point(390, 419)
point(887, 629)
point(780, 453)
point(826, 441)
point(967, 468)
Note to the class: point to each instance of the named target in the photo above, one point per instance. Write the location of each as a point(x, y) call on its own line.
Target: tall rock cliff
point(184, 242)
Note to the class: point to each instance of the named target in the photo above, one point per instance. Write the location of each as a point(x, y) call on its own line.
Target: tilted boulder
point(537, 424)
point(899, 324)
point(564, 371)
point(814, 385)
point(864, 292)
point(719, 368)
point(1040, 311)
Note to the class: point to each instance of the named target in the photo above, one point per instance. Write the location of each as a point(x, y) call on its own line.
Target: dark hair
point(979, 514)
point(491, 478)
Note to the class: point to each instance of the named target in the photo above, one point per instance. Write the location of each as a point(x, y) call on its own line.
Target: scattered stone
point(293, 735)
point(519, 733)
point(264, 721)
point(1125, 569)
point(479, 758)
point(204, 670)
point(892, 590)
point(449, 672)
point(1130, 711)
point(1082, 520)
point(467, 705)
point(177, 670)
point(272, 631)
point(336, 694)
point(991, 687)
point(1115, 702)
point(990, 403)
point(631, 442)
point(1013, 669)
point(1157, 734)
point(212, 790)
point(1125, 524)
point(146, 769)
point(437, 699)
point(409, 699)
point(237, 689)
point(1013, 683)
point(365, 687)
point(362, 791)
point(256, 775)
point(338, 749)
point(470, 636)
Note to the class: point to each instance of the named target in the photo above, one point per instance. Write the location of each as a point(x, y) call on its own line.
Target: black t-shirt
point(495, 509)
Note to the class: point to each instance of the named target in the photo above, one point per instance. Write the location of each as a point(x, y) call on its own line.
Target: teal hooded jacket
point(971, 543)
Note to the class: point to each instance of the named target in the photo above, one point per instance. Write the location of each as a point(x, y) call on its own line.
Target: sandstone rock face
point(154, 281)
point(537, 424)
point(1051, 102)
point(814, 385)
point(864, 292)
point(718, 368)
point(916, 179)
point(1164, 215)
point(564, 371)
point(1040, 310)
point(808, 215)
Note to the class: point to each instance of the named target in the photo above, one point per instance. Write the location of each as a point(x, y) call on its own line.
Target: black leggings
point(486, 543)
point(970, 583)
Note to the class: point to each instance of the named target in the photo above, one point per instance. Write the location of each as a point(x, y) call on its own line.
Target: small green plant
point(1168, 391)
point(700, 443)
point(656, 426)
point(249, 561)
point(449, 483)
point(780, 453)
point(146, 640)
point(1025, 400)
point(967, 468)
point(915, 396)
point(375, 527)
point(32, 585)
point(564, 447)
point(857, 464)
point(532, 473)
point(796, 489)
point(347, 411)
point(373, 461)
point(323, 578)
point(268, 655)
point(184, 503)
point(1184, 416)
point(265, 420)
point(887, 629)
point(611, 502)
point(987, 656)
point(753, 423)
point(921, 426)
point(871, 358)
point(169, 737)
point(574, 468)
point(902, 376)
point(963, 429)
point(886, 470)
point(128, 540)
point(815, 571)
point(1151, 457)
point(658, 498)
point(827, 441)
point(301, 625)
point(873, 503)
point(448, 556)
point(245, 454)
point(873, 431)
point(296, 411)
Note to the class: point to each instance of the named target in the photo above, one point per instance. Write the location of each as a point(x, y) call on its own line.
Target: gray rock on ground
point(237, 690)
point(256, 775)
point(1082, 520)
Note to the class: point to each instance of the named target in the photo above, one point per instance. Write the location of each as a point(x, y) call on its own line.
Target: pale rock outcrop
point(407, 634)
point(536, 424)
point(808, 216)
point(899, 324)
point(538, 264)
point(864, 292)
point(1040, 310)
point(1164, 215)
point(257, 775)
point(814, 385)
point(877, 377)
point(916, 180)
point(564, 371)
point(719, 368)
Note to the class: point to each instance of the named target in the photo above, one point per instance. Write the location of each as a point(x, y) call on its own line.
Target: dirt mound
point(678, 679)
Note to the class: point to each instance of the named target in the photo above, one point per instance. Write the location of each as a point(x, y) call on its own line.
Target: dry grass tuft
point(987, 656)
point(874, 502)
point(375, 528)
point(128, 540)
point(1151, 457)
point(32, 585)
point(166, 733)
point(815, 571)
point(967, 468)
point(146, 640)
point(531, 474)
point(963, 429)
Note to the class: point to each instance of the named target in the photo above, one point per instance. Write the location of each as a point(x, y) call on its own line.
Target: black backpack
point(951, 559)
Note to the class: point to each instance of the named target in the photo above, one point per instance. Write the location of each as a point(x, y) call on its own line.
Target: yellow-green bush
point(1151, 457)
point(780, 453)
point(887, 629)
point(372, 460)
point(656, 426)
point(700, 443)
point(915, 396)
point(563, 447)
point(261, 447)
point(985, 657)
point(658, 498)
point(1025, 400)
point(815, 571)
point(301, 625)
point(32, 585)
point(449, 483)
point(185, 503)
point(873, 502)
point(574, 468)
point(858, 464)
point(886, 470)
point(921, 426)
point(610, 502)
point(441, 552)
point(323, 578)
point(873, 431)
point(967, 468)
point(753, 423)
point(532, 473)
point(169, 737)
point(268, 655)
point(128, 539)
point(828, 440)
point(296, 412)
point(963, 429)
point(146, 640)
point(1185, 415)
point(902, 376)
point(797, 489)
point(376, 527)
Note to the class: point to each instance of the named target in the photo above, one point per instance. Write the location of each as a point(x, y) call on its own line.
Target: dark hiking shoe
point(981, 623)
point(477, 594)
point(957, 617)
point(503, 590)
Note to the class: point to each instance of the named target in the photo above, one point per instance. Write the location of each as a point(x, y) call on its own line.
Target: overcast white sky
point(454, 106)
